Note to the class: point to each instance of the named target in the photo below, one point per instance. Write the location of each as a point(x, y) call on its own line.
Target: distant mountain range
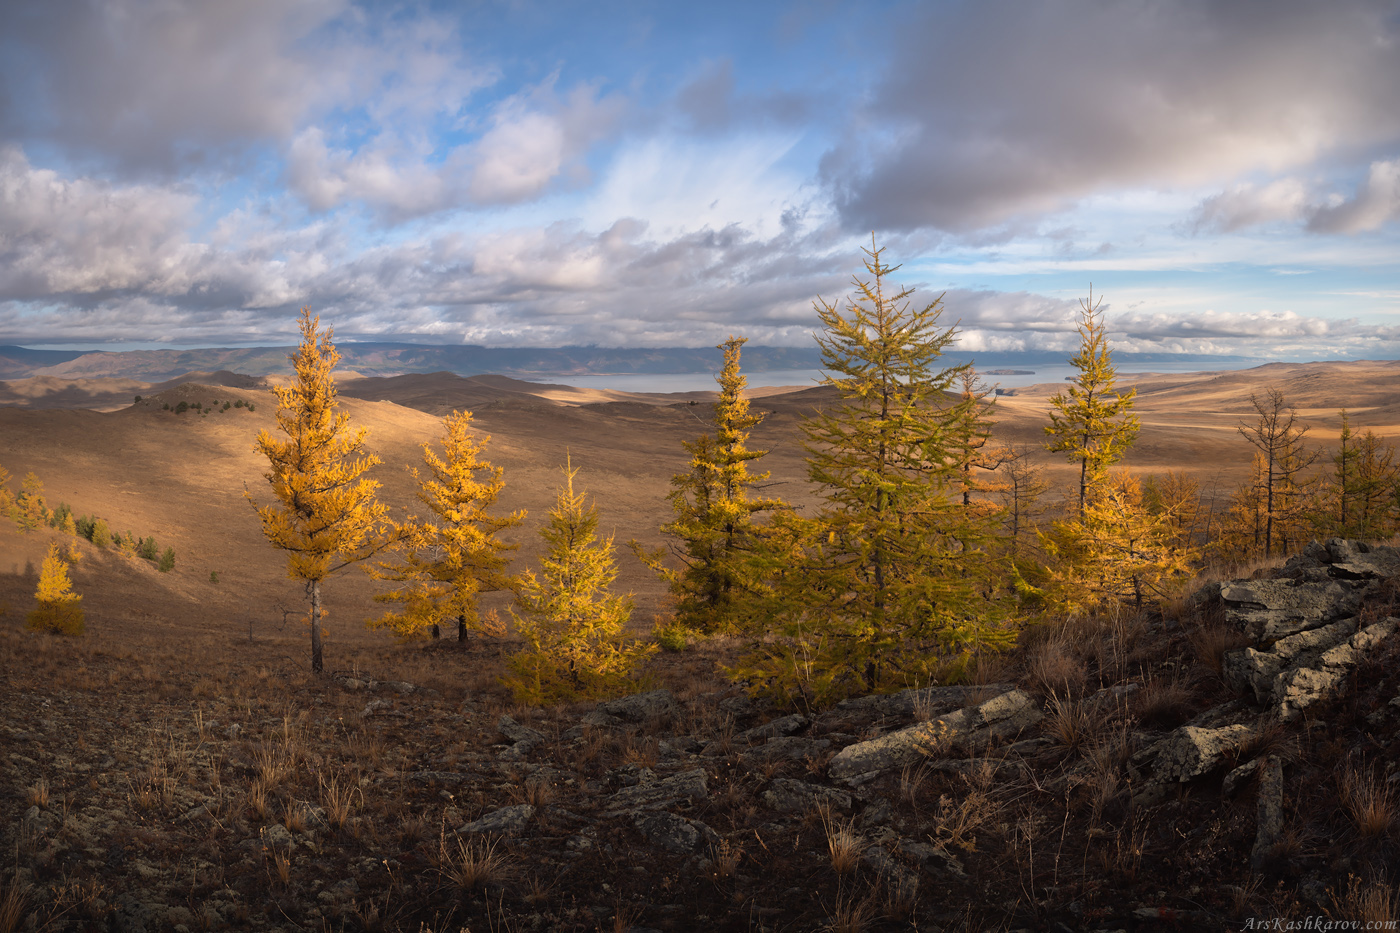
point(392, 359)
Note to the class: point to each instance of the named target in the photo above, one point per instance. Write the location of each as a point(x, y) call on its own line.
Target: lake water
point(692, 382)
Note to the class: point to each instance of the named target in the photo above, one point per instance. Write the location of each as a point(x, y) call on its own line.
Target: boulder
point(785, 725)
point(515, 733)
point(1192, 751)
point(793, 747)
point(1252, 669)
point(969, 728)
point(1273, 609)
point(1269, 812)
point(675, 834)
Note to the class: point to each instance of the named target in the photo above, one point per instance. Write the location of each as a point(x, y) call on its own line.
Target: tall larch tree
point(570, 619)
point(715, 503)
point(448, 559)
point(1092, 423)
point(886, 576)
point(327, 516)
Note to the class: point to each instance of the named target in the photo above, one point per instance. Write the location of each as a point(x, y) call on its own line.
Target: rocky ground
point(1233, 758)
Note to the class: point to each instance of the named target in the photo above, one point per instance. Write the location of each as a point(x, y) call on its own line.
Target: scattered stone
point(278, 837)
point(887, 869)
point(792, 747)
point(515, 732)
point(673, 833)
point(1191, 751)
point(638, 708)
point(506, 821)
point(1239, 777)
point(450, 778)
point(783, 726)
point(969, 728)
point(904, 704)
point(788, 795)
point(662, 793)
point(375, 706)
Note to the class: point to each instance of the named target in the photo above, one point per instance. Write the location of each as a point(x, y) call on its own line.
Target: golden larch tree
point(59, 610)
point(455, 554)
point(1092, 423)
point(327, 516)
point(570, 620)
point(715, 503)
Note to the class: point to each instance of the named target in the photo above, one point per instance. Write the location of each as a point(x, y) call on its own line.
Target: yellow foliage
point(58, 610)
point(455, 555)
point(571, 623)
point(327, 516)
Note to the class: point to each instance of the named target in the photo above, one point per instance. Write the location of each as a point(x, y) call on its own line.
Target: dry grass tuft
point(1054, 669)
point(1164, 702)
point(844, 844)
point(1070, 722)
point(851, 916)
point(724, 860)
point(13, 901)
point(338, 799)
point(1370, 804)
point(470, 864)
point(1212, 640)
point(37, 795)
point(1370, 903)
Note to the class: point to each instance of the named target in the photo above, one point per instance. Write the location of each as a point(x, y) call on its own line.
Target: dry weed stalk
point(13, 902)
point(1070, 722)
point(724, 860)
point(1054, 669)
point(851, 916)
point(1373, 904)
point(1212, 640)
point(37, 794)
point(902, 898)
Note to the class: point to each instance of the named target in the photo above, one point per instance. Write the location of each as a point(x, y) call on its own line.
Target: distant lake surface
point(693, 382)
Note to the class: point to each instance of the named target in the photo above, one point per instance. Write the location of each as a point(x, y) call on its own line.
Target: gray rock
point(1299, 687)
point(793, 747)
point(1191, 751)
point(278, 836)
point(637, 708)
point(788, 795)
point(970, 728)
point(376, 706)
point(786, 725)
point(1256, 670)
point(1239, 777)
point(675, 834)
point(518, 734)
point(661, 793)
point(1360, 561)
point(506, 821)
point(1269, 812)
point(934, 700)
point(1272, 609)
point(887, 869)
point(451, 778)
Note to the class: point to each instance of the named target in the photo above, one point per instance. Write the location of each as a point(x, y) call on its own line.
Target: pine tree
point(326, 517)
point(455, 555)
point(59, 608)
point(1093, 423)
point(167, 564)
point(714, 503)
point(886, 573)
point(571, 623)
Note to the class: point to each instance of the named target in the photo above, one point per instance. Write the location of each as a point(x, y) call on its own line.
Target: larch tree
point(59, 610)
point(885, 580)
point(715, 503)
point(327, 516)
point(447, 560)
point(571, 621)
point(972, 433)
point(1377, 488)
point(1092, 423)
point(1278, 437)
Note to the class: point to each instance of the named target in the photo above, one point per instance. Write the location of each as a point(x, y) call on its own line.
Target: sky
point(1225, 176)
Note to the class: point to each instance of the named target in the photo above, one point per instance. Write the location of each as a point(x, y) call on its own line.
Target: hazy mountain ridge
point(394, 359)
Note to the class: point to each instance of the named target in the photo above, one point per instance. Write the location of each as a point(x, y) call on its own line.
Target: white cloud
point(1376, 202)
point(1246, 205)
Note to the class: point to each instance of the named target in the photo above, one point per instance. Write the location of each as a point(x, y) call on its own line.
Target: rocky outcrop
point(1307, 636)
point(970, 728)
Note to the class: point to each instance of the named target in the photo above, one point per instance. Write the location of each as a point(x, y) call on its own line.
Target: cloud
point(1245, 205)
point(998, 111)
point(143, 87)
point(1375, 202)
point(709, 104)
point(534, 138)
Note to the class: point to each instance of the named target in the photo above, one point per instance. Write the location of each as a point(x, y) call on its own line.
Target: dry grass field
point(179, 768)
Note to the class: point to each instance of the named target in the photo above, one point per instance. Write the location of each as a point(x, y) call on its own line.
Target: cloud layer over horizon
point(639, 174)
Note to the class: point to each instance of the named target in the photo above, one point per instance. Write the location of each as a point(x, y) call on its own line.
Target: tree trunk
point(314, 586)
point(462, 628)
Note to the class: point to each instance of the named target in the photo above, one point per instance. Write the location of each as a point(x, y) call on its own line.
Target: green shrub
point(101, 534)
point(167, 561)
point(138, 400)
point(213, 576)
point(181, 408)
point(147, 548)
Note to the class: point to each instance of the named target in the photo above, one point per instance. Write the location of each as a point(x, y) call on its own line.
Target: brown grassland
point(179, 767)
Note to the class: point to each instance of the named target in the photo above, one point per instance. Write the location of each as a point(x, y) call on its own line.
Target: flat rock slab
point(789, 796)
point(661, 793)
point(905, 703)
point(969, 728)
point(1192, 751)
point(506, 821)
point(1273, 609)
point(516, 733)
point(785, 725)
point(792, 747)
